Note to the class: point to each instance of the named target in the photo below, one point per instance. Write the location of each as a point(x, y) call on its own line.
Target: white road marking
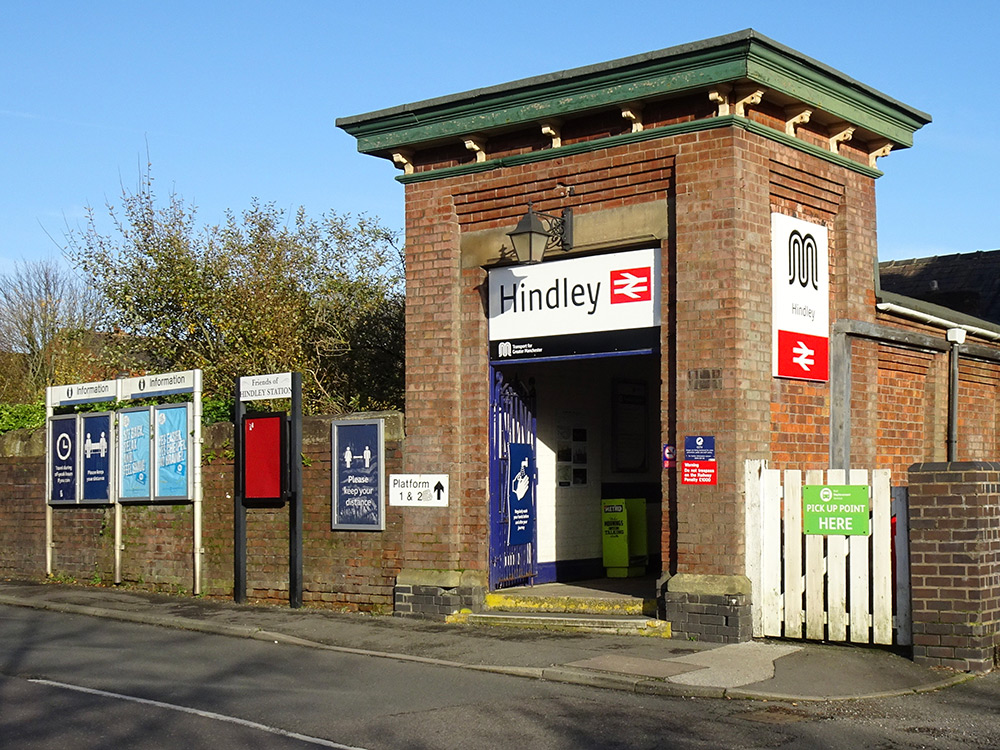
point(204, 714)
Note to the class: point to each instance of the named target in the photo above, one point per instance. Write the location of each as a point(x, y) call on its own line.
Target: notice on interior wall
point(571, 451)
point(629, 427)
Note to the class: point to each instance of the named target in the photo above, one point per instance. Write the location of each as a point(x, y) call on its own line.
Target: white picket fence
point(833, 588)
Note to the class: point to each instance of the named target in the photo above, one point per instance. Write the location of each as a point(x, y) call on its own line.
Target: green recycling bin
point(623, 526)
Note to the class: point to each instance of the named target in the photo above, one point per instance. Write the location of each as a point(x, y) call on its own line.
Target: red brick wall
point(719, 188)
point(342, 569)
point(955, 564)
point(433, 538)
point(977, 413)
point(723, 320)
point(22, 515)
point(447, 356)
point(905, 395)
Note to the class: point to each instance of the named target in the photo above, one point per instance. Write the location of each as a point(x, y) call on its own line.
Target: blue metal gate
point(512, 422)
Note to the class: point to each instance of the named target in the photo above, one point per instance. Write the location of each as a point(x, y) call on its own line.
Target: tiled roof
point(965, 282)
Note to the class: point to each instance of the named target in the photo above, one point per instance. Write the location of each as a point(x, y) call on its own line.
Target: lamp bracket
point(559, 229)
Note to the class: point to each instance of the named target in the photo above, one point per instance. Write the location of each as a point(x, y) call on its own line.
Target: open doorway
point(598, 438)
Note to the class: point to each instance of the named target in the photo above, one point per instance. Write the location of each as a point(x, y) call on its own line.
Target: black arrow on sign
point(439, 490)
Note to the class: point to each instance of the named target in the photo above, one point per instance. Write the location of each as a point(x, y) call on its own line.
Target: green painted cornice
point(693, 126)
point(745, 57)
point(817, 85)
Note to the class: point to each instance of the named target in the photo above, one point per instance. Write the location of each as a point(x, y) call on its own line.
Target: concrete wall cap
point(445, 579)
point(710, 585)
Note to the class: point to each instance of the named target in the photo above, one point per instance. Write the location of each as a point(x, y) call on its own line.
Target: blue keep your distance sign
point(357, 500)
point(97, 458)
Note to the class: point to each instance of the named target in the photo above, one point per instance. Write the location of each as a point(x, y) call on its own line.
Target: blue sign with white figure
point(358, 492)
point(97, 458)
point(171, 449)
point(133, 454)
point(63, 466)
point(520, 494)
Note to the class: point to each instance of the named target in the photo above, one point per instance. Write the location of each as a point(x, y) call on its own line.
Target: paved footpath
point(773, 670)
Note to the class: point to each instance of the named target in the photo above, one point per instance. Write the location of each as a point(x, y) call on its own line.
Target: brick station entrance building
point(717, 301)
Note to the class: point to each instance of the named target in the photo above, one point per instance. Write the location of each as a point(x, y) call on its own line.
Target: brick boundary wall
point(955, 563)
point(345, 570)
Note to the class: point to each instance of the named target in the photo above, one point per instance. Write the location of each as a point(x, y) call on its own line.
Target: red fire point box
point(265, 465)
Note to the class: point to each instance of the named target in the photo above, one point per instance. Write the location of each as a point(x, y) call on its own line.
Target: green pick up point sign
point(835, 509)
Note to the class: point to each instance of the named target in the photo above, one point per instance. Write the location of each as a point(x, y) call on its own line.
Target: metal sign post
point(267, 470)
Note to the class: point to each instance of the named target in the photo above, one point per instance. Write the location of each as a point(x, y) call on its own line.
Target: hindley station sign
point(599, 304)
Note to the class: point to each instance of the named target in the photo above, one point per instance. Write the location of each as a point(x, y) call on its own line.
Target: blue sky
point(237, 100)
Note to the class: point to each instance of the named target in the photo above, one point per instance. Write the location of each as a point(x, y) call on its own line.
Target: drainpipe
point(957, 337)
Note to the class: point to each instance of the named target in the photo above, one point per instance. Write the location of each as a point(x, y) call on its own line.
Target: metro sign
point(800, 299)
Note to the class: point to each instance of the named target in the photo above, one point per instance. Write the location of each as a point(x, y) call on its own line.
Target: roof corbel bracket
point(403, 160)
point(879, 148)
point(553, 129)
point(744, 98)
point(795, 115)
point(476, 144)
point(840, 132)
point(633, 114)
point(720, 96)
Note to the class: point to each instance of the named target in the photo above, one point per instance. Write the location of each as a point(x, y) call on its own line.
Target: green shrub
point(21, 417)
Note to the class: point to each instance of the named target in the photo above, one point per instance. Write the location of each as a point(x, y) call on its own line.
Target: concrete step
point(568, 621)
point(522, 602)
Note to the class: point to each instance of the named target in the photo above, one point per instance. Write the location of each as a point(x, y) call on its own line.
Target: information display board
point(358, 479)
point(134, 464)
point(98, 457)
point(64, 464)
point(172, 452)
point(265, 457)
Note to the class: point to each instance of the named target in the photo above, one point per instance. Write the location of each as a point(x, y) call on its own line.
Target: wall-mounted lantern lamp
point(537, 232)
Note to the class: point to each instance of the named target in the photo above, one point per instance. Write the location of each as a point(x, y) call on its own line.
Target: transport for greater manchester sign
point(835, 509)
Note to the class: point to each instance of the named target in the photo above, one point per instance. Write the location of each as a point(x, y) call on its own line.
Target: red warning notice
point(699, 472)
